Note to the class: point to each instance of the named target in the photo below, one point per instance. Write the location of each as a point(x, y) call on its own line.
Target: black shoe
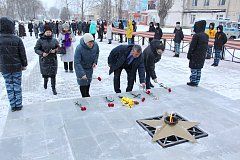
point(214, 65)
point(208, 57)
point(13, 109)
point(109, 43)
point(176, 55)
point(19, 108)
point(100, 41)
point(45, 83)
point(66, 70)
point(71, 71)
point(151, 85)
point(192, 84)
point(54, 91)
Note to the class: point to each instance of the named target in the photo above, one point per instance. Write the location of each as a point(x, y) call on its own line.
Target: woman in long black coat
point(46, 47)
point(22, 31)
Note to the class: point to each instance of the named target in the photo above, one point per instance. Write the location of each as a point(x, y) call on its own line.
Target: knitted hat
point(177, 22)
point(87, 37)
point(47, 28)
point(65, 26)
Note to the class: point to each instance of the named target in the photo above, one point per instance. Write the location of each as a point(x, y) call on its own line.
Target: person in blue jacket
point(85, 59)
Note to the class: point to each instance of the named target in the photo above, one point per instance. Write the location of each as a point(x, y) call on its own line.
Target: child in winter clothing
point(177, 39)
point(152, 54)
point(151, 29)
point(197, 52)
point(211, 34)
point(220, 40)
point(13, 61)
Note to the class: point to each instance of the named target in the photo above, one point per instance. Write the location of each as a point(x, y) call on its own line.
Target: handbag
point(61, 49)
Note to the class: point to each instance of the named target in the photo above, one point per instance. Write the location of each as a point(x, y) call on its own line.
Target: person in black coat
point(134, 30)
point(21, 29)
point(158, 32)
point(101, 30)
point(84, 27)
point(46, 47)
point(130, 58)
point(30, 28)
point(152, 54)
point(178, 37)
point(197, 52)
point(151, 29)
point(121, 26)
point(13, 61)
point(220, 40)
point(74, 27)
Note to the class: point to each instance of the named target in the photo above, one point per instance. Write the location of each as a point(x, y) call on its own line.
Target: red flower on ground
point(110, 104)
point(148, 91)
point(83, 108)
point(143, 99)
point(99, 78)
point(169, 90)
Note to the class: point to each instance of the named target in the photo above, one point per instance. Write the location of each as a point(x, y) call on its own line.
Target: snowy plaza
point(53, 127)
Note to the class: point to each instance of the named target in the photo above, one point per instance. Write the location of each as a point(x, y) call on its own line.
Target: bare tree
point(65, 14)
point(163, 7)
point(53, 13)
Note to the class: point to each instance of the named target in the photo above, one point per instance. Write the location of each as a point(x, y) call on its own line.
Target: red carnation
point(83, 108)
point(99, 78)
point(110, 104)
point(148, 92)
point(169, 90)
point(143, 99)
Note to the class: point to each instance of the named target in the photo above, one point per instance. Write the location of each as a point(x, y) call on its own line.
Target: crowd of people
point(58, 38)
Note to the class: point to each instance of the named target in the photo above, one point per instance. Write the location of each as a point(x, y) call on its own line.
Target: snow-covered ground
point(171, 71)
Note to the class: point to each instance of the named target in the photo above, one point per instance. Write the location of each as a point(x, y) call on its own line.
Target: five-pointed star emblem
point(164, 130)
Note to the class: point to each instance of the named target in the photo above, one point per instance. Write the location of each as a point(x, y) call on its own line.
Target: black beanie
point(47, 28)
point(177, 22)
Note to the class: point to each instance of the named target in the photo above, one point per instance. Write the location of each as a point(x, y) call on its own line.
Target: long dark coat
point(198, 46)
point(49, 64)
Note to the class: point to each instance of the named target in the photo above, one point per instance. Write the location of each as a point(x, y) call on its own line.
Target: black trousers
point(68, 65)
point(130, 79)
point(121, 38)
point(85, 91)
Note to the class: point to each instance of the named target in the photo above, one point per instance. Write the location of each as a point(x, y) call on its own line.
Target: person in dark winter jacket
point(177, 39)
point(79, 26)
point(151, 29)
point(101, 30)
point(152, 54)
point(130, 58)
point(220, 40)
point(22, 31)
point(41, 27)
point(13, 61)
point(121, 26)
point(197, 52)
point(134, 30)
point(36, 29)
point(85, 59)
point(30, 28)
point(46, 47)
point(158, 32)
point(84, 27)
point(74, 27)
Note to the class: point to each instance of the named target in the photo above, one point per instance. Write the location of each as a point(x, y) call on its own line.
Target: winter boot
point(151, 85)
point(45, 83)
point(192, 84)
point(53, 83)
point(176, 55)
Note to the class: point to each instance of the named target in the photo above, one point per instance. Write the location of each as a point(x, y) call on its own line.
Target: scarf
point(67, 42)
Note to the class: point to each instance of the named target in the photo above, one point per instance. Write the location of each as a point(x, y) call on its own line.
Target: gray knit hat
point(65, 26)
point(87, 37)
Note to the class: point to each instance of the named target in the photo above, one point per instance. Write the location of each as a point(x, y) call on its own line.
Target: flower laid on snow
point(148, 91)
point(128, 102)
point(110, 104)
point(99, 78)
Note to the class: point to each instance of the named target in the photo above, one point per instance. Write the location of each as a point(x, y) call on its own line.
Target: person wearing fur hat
point(66, 39)
point(13, 61)
point(152, 54)
point(85, 59)
point(46, 47)
point(220, 40)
